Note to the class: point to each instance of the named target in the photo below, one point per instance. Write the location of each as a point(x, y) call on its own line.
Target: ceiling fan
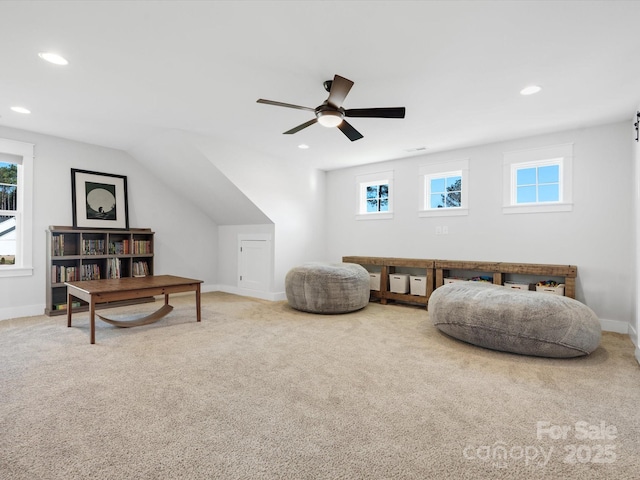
point(331, 113)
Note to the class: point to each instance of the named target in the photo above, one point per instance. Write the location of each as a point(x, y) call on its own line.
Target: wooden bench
point(436, 271)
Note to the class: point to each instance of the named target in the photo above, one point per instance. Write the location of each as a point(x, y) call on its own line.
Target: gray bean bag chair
point(328, 288)
point(517, 321)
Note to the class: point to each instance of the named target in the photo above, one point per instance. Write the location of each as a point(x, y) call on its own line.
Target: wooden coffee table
point(131, 288)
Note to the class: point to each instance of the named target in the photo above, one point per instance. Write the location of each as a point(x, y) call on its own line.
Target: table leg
point(166, 299)
point(69, 302)
point(198, 301)
point(92, 319)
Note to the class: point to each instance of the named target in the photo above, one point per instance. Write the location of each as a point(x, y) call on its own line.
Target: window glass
point(8, 205)
point(549, 174)
point(538, 184)
point(548, 193)
point(526, 176)
point(378, 198)
point(445, 192)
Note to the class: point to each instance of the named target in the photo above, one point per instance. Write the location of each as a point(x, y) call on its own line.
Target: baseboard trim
point(633, 334)
point(22, 311)
point(615, 326)
point(245, 292)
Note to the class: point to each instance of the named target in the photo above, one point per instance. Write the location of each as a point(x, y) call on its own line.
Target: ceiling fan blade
point(391, 112)
point(349, 131)
point(300, 127)
point(280, 104)
point(339, 89)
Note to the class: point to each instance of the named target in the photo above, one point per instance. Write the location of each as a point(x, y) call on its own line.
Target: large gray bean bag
point(516, 321)
point(328, 288)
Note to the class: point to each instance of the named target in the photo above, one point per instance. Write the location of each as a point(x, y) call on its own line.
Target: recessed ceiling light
point(303, 146)
point(530, 90)
point(20, 110)
point(53, 58)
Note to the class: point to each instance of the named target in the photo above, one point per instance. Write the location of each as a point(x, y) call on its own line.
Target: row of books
point(91, 271)
point(140, 269)
point(114, 268)
point(119, 248)
point(93, 247)
point(63, 306)
point(61, 274)
point(97, 247)
point(141, 247)
point(57, 245)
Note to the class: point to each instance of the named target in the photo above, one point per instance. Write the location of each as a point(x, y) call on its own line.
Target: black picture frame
point(99, 200)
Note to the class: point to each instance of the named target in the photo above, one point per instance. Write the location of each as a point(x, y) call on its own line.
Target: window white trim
point(561, 155)
point(24, 214)
point(362, 182)
point(426, 172)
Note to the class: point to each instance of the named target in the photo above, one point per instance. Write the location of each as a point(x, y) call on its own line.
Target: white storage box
point(374, 281)
point(558, 290)
point(399, 282)
point(418, 285)
point(455, 279)
point(517, 286)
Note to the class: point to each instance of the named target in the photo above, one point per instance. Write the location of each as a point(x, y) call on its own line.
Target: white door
point(255, 264)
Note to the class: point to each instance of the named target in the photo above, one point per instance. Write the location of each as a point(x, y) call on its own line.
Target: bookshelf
point(90, 254)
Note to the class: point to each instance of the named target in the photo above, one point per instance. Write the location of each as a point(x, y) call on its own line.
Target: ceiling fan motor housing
point(329, 116)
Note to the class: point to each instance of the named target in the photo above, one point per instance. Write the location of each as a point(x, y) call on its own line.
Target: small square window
point(374, 195)
point(537, 184)
point(443, 189)
point(538, 180)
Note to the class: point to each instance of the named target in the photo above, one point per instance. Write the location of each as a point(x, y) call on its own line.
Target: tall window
point(538, 180)
point(444, 188)
point(16, 207)
point(375, 196)
point(8, 209)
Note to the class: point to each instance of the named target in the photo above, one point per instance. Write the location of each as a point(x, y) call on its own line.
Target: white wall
point(228, 257)
point(597, 235)
point(185, 243)
point(291, 194)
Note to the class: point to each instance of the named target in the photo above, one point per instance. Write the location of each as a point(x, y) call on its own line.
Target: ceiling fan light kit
point(331, 113)
point(329, 118)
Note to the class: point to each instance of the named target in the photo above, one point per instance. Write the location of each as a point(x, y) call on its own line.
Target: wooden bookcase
point(88, 254)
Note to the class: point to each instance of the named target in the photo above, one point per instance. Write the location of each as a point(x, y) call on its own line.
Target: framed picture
point(99, 200)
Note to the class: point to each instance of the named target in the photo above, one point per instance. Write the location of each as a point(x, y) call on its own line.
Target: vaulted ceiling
point(140, 68)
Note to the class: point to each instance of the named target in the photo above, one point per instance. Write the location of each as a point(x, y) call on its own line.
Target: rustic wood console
point(436, 271)
point(388, 266)
point(499, 269)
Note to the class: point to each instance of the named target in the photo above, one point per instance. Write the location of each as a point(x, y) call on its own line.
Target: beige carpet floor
point(260, 391)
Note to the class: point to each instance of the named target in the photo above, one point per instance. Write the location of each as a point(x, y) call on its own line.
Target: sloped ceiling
point(188, 172)
point(139, 69)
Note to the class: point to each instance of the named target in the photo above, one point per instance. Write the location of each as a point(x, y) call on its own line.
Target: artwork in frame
point(99, 200)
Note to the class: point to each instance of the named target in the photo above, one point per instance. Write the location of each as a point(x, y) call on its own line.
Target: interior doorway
point(254, 265)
